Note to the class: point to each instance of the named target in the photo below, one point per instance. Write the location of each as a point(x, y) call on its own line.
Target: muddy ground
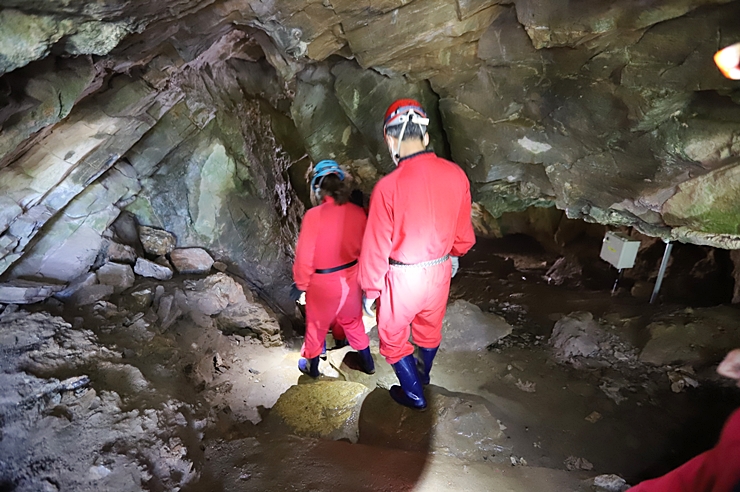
point(120, 396)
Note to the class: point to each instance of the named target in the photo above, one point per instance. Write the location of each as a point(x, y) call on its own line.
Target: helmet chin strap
point(397, 153)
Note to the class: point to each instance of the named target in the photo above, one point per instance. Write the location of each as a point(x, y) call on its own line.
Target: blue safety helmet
point(323, 169)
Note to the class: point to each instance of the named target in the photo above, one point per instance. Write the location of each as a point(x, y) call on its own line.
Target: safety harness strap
point(336, 269)
point(423, 264)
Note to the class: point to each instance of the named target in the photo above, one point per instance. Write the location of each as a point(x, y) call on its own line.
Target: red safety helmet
point(405, 111)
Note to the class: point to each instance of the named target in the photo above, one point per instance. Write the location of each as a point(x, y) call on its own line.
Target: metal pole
point(616, 281)
point(661, 272)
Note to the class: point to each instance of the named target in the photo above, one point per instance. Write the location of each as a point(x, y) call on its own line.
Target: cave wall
point(203, 117)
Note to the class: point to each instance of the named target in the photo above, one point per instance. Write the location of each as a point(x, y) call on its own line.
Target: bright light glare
point(727, 60)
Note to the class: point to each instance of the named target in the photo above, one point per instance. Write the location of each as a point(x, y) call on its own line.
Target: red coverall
point(419, 212)
point(331, 235)
point(717, 470)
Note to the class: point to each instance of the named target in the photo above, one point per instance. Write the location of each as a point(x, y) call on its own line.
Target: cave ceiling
point(202, 117)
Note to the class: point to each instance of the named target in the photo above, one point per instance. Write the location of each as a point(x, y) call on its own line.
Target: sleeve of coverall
point(376, 245)
point(464, 235)
point(304, 251)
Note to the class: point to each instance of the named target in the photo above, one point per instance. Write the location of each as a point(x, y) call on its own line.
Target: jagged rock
point(610, 483)
point(26, 291)
point(147, 268)
point(466, 328)
point(156, 241)
point(708, 202)
point(455, 425)
point(328, 409)
point(120, 277)
point(191, 260)
point(564, 268)
point(120, 253)
point(90, 294)
point(577, 334)
point(220, 296)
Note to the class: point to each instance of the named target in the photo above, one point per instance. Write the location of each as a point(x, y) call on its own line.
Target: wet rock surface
point(148, 390)
point(466, 328)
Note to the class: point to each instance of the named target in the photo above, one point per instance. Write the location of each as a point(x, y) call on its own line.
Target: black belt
point(336, 269)
point(423, 264)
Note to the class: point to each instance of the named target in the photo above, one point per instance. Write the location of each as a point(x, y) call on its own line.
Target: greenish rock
point(72, 240)
point(47, 98)
point(217, 181)
point(28, 37)
point(95, 38)
point(708, 203)
point(327, 409)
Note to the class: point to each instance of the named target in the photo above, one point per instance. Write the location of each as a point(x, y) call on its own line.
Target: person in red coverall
point(717, 470)
point(419, 223)
point(325, 269)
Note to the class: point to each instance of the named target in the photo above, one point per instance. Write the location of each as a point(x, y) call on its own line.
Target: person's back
point(428, 195)
point(418, 224)
point(325, 269)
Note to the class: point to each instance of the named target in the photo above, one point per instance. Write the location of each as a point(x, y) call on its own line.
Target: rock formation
point(202, 118)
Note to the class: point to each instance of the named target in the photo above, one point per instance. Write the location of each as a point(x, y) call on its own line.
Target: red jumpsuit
point(331, 235)
point(717, 470)
point(419, 212)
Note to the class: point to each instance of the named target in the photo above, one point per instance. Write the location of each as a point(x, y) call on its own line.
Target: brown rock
point(191, 260)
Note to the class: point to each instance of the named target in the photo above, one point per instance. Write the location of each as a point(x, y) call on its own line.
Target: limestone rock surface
point(467, 329)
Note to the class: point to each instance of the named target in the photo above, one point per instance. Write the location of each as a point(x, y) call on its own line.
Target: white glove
point(368, 306)
point(455, 264)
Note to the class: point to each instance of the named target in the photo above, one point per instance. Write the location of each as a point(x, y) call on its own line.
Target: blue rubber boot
point(309, 367)
point(366, 361)
point(411, 391)
point(426, 357)
point(340, 343)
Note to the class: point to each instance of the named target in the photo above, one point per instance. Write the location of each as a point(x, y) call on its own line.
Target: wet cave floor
point(551, 414)
point(505, 416)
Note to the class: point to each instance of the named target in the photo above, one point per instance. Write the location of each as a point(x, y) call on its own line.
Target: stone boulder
point(147, 268)
point(156, 241)
point(576, 335)
point(221, 297)
point(120, 253)
point(120, 277)
point(698, 336)
point(466, 328)
point(456, 425)
point(191, 260)
point(328, 409)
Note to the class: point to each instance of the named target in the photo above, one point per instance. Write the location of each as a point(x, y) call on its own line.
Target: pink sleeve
point(303, 267)
point(376, 245)
point(464, 235)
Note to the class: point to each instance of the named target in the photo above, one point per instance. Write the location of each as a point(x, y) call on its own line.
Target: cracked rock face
point(202, 119)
